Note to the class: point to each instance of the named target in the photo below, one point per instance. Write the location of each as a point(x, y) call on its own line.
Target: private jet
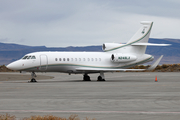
point(115, 57)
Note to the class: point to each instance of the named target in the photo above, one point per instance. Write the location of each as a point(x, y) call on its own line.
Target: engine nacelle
point(110, 46)
point(122, 58)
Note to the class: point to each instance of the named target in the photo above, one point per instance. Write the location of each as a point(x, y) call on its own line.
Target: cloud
point(58, 23)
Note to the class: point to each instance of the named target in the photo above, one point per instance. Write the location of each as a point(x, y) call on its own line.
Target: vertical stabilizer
point(140, 39)
point(142, 35)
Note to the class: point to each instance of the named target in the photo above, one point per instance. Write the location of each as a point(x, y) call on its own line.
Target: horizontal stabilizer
point(150, 44)
point(153, 66)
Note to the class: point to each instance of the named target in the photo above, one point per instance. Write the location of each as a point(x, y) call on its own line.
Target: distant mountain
point(12, 52)
point(171, 53)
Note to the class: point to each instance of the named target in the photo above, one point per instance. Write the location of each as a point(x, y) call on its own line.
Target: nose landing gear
point(33, 75)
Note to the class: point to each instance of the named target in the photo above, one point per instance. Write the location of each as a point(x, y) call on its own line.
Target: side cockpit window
point(33, 57)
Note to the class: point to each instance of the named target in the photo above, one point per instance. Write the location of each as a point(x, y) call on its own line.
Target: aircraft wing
point(153, 66)
point(106, 70)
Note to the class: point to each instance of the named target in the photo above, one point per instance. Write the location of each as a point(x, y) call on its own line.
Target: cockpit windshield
point(29, 57)
point(24, 57)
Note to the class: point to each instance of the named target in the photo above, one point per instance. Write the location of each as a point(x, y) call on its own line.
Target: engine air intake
point(122, 58)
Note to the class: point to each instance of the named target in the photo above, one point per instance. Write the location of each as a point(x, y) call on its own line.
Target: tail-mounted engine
point(110, 46)
point(122, 58)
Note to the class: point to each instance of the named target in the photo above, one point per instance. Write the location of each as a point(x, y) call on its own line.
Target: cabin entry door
point(43, 62)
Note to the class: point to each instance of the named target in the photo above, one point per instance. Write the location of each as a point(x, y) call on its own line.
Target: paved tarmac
point(123, 96)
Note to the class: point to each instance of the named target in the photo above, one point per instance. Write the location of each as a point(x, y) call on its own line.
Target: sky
point(62, 23)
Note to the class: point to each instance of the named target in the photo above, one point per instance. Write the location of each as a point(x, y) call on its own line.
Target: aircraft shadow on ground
point(60, 81)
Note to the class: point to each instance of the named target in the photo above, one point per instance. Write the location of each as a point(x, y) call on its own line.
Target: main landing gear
point(33, 75)
point(101, 77)
point(86, 77)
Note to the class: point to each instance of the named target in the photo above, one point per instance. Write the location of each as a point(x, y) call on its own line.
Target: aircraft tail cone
point(156, 79)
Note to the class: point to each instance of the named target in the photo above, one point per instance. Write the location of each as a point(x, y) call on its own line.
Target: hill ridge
point(10, 52)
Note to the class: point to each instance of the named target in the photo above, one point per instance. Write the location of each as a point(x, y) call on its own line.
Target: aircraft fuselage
point(68, 61)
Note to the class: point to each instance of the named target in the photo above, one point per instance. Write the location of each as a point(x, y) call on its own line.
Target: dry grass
point(46, 117)
point(7, 117)
point(161, 68)
point(168, 68)
point(3, 68)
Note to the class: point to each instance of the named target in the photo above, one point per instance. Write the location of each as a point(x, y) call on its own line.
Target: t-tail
point(142, 35)
point(137, 44)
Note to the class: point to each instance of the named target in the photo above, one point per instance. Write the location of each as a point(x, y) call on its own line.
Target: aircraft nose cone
point(14, 65)
point(11, 66)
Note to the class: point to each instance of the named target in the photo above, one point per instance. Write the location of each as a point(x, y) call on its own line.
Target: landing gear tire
point(100, 78)
point(33, 75)
point(86, 78)
point(33, 80)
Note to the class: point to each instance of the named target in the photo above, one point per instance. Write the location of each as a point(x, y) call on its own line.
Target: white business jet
point(116, 57)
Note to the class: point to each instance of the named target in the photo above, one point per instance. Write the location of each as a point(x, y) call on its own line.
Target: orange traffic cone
point(156, 79)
